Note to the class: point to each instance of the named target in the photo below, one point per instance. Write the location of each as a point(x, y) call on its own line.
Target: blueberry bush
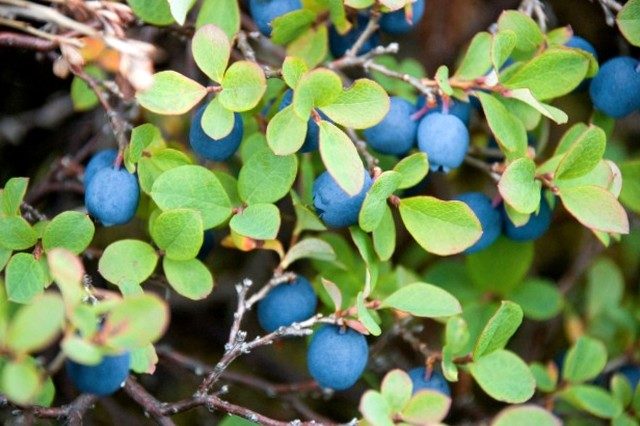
point(370, 243)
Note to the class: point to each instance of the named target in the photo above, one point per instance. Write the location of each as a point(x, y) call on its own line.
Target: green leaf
point(81, 351)
point(286, 132)
point(396, 389)
point(525, 96)
point(136, 321)
point(21, 381)
point(362, 105)
point(504, 377)
point(211, 51)
point(152, 166)
point(36, 325)
point(179, 233)
point(553, 73)
point(154, 12)
point(384, 236)
point(16, 233)
point(525, 415)
point(243, 85)
point(24, 278)
point(442, 78)
point(292, 70)
point(583, 155)
point(179, 9)
point(507, 128)
point(529, 36)
point(593, 400)
point(5, 254)
point(217, 121)
point(539, 299)
point(423, 300)
point(290, 26)
point(497, 332)
point(545, 381)
point(477, 59)
point(630, 194)
point(309, 248)
point(605, 288)
point(500, 267)
point(275, 173)
point(144, 138)
point(70, 230)
point(503, 44)
point(257, 221)
point(317, 88)
point(12, 195)
point(341, 158)
point(144, 360)
point(225, 14)
point(426, 407)
point(67, 271)
point(171, 93)
point(413, 169)
point(456, 334)
point(311, 46)
point(190, 278)
point(375, 202)
point(375, 409)
point(628, 20)
point(127, 261)
point(440, 227)
point(193, 187)
point(518, 186)
point(585, 360)
point(365, 317)
point(595, 208)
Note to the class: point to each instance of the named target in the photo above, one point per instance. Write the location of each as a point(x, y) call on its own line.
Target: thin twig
point(277, 279)
point(361, 146)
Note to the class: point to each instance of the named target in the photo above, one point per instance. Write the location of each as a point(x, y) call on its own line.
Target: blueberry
point(337, 358)
point(445, 139)
point(102, 379)
point(287, 303)
point(334, 206)
point(490, 219)
point(436, 382)
point(312, 140)
point(112, 196)
point(214, 149)
point(396, 133)
point(265, 11)
point(100, 160)
point(460, 109)
point(396, 22)
point(339, 44)
point(632, 374)
point(534, 228)
point(615, 90)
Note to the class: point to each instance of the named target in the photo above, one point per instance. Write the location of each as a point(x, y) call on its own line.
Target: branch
point(610, 9)
point(22, 41)
point(72, 412)
point(277, 279)
point(371, 28)
point(361, 146)
point(150, 404)
point(250, 55)
point(535, 9)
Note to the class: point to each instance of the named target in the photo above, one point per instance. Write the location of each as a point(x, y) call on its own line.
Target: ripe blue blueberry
point(534, 228)
point(112, 196)
point(336, 358)
point(100, 160)
point(287, 303)
point(615, 90)
point(396, 133)
point(339, 44)
point(334, 206)
point(102, 379)
point(214, 149)
point(265, 11)
point(460, 109)
point(436, 382)
point(445, 139)
point(396, 22)
point(632, 373)
point(312, 140)
point(490, 219)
